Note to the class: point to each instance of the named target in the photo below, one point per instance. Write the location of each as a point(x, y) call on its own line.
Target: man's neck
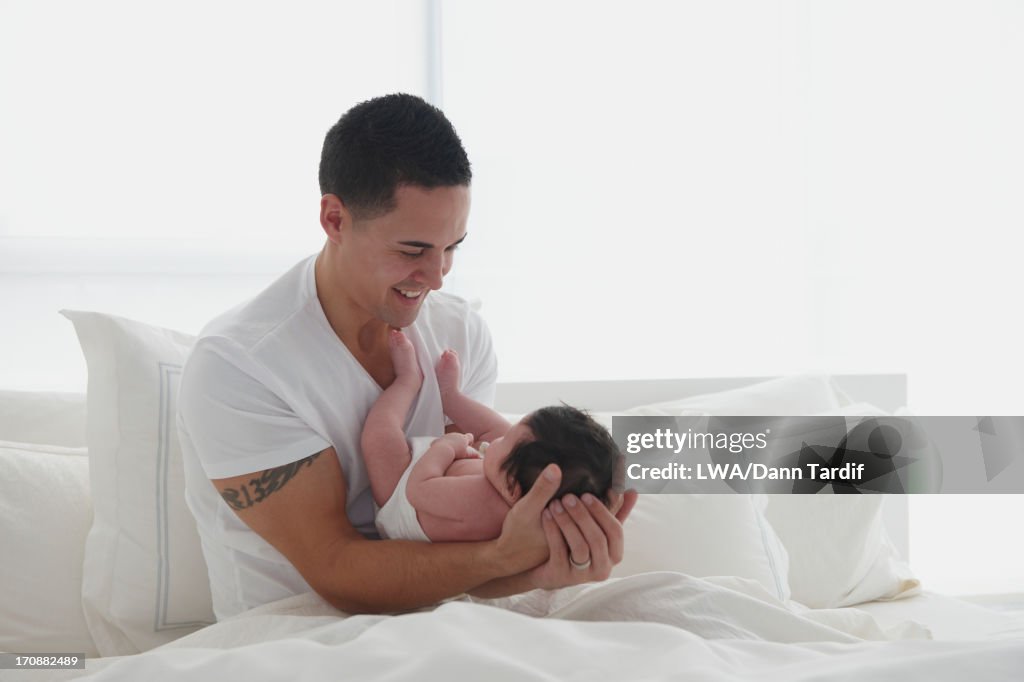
point(364, 335)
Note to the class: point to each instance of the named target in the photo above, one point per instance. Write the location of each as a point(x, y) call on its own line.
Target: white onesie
point(397, 518)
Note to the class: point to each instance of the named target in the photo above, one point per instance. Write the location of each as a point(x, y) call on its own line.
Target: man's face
point(390, 263)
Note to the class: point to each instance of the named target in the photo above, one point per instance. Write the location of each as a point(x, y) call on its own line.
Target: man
point(273, 397)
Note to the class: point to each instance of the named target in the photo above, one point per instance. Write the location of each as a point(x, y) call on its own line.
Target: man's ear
point(334, 217)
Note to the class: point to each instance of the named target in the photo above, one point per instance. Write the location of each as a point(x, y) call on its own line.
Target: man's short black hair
point(570, 438)
point(386, 142)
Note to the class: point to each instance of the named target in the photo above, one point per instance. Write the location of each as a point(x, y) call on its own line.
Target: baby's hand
point(460, 443)
point(403, 358)
point(448, 371)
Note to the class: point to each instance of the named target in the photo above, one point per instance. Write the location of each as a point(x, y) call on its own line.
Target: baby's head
point(563, 435)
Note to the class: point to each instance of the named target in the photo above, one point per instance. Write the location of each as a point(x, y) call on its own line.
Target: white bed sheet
point(657, 626)
point(948, 618)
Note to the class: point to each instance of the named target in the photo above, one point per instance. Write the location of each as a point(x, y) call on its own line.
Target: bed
point(713, 587)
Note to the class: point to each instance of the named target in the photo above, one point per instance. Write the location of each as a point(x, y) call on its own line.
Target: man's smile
point(410, 296)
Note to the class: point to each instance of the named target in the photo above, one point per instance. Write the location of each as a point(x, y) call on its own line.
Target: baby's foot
point(403, 358)
point(448, 373)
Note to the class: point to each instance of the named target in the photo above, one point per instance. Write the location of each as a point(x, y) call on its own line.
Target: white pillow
point(839, 552)
point(144, 577)
point(702, 536)
point(49, 418)
point(721, 534)
point(855, 410)
point(45, 513)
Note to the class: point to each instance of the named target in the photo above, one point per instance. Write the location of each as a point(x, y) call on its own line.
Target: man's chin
point(400, 319)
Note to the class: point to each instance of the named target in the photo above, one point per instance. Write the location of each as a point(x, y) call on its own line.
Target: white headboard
point(887, 391)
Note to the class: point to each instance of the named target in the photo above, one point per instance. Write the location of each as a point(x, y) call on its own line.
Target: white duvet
point(655, 626)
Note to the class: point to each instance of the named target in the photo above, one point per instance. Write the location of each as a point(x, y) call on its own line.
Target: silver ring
point(579, 566)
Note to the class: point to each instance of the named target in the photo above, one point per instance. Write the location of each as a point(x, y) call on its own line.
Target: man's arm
point(299, 508)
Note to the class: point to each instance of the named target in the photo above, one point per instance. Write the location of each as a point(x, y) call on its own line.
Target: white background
point(661, 189)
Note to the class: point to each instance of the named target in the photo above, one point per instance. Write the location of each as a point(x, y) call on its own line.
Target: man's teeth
point(409, 294)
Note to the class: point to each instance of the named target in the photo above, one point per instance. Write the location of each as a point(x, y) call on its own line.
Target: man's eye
point(411, 254)
point(453, 247)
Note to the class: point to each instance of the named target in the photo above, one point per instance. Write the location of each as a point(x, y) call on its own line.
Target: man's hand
point(541, 537)
point(585, 539)
point(522, 542)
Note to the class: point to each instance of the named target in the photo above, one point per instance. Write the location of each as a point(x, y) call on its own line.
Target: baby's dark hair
point(570, 438)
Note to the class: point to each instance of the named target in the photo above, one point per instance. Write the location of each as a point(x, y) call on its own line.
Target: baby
point(452, 488)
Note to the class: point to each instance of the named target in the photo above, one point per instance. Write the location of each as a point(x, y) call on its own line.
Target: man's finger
point(614, 501)
point(578, 546)
point(610, 525)
point(556, 545)
point(629, 499)
point(596, 524)
point(544, 488)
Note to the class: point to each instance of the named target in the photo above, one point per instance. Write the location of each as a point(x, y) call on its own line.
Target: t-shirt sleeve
point(235, 423)
point(480, 372)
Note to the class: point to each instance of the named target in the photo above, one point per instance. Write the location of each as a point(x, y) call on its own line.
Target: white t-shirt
point(269, 383)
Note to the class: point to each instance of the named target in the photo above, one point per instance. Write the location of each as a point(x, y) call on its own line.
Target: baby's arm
point(468, 415)
point(385, 449)
point(460, 507)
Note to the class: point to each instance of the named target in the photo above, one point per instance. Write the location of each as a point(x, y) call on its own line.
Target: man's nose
point(433, 272)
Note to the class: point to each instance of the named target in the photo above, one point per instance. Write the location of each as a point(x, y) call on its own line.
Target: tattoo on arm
point(264, 484)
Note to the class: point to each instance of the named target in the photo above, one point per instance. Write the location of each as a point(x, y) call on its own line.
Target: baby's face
point(496, 454)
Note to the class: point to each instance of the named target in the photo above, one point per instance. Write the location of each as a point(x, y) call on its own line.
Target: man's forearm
point(367, 576)
point(504, 587)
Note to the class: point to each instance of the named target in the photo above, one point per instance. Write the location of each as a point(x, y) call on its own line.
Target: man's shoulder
point(249, 322)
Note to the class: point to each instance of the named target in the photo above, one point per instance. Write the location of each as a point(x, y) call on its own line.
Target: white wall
point(749, 188)
point(160, 160)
